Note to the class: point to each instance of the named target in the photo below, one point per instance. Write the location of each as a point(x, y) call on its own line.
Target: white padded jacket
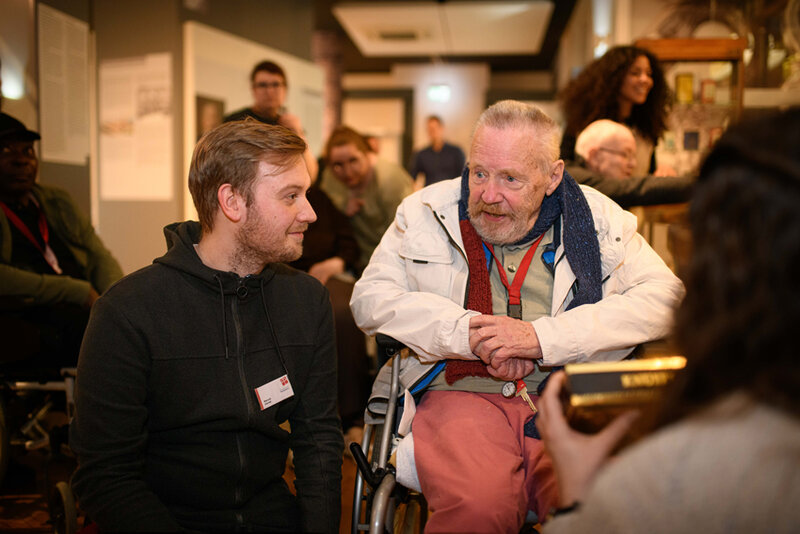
point(414, 288)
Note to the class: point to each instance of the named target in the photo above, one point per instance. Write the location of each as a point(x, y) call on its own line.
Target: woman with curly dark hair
point(725, 453)
point(625, 85)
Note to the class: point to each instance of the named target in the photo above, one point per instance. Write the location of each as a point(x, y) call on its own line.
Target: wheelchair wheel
point(63, 513)
point(5, 446)
point(5, 451)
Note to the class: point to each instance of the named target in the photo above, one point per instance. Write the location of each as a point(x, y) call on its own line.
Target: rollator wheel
point(63, 513)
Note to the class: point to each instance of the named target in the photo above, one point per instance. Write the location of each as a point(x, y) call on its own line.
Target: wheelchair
point(377, 495)
point(27, 398)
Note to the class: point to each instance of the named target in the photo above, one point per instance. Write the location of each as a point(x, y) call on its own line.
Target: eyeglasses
point(268, 85)
point(630, 156)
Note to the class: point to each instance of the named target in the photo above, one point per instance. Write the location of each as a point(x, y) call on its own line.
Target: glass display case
point(707, 78)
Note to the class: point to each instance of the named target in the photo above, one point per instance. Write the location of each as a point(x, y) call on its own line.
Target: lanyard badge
point(274, 392)
point(514, 309)
point(44, 231)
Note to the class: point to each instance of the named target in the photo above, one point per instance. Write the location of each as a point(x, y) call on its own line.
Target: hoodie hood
point(181, 255)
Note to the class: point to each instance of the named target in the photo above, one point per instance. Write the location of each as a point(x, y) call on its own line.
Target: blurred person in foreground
point(191, 365)
point(53, 266)
point(606, 159)
point(492, 279)
point(724, 454)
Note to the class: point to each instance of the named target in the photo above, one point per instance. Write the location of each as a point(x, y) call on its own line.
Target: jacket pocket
point(429, 262)
point(612, 252)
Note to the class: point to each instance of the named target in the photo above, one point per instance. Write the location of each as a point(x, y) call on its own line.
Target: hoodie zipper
point(241, 292)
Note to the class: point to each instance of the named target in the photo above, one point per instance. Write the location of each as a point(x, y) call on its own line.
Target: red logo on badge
point(284, 380)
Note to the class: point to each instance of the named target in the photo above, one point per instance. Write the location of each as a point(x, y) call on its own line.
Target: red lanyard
point(47, 252)
point(515, 289)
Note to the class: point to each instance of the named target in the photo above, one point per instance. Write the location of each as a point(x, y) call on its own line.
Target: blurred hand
point(323, 270)
point(292, 121)
point(577, 457)
point(90, 300)
point(354, 205)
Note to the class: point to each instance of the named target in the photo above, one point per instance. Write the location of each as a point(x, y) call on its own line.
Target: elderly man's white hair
point(597, 133)
point(514, 114)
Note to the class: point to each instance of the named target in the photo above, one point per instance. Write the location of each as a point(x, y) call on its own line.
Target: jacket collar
point(442, 199)
point(442, 196)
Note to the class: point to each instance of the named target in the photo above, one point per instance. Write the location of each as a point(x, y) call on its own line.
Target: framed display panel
point(706, 77)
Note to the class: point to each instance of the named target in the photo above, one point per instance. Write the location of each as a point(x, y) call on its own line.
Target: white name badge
point(274, 392)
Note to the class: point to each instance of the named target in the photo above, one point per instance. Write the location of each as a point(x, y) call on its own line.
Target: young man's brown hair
point(230, 153)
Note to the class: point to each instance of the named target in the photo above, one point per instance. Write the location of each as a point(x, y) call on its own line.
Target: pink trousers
point(478, 471)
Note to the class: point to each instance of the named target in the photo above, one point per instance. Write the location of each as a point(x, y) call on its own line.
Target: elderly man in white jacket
point(502, 274)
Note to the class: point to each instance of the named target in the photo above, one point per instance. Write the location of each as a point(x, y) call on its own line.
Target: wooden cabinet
point(707, 81)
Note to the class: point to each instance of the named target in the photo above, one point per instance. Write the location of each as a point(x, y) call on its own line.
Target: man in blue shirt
point(438, 161)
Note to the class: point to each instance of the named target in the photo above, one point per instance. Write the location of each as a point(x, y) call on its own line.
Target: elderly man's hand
point(577, 457)
point(496, 339)
point(512, 369)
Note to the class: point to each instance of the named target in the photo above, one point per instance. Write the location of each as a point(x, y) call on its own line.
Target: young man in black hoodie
point(190, 365)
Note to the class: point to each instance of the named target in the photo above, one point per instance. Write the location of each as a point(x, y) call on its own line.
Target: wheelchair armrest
point(388, 344)
point(387, 347)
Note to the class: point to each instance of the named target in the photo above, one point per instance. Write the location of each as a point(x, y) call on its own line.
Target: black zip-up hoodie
point(168, 430)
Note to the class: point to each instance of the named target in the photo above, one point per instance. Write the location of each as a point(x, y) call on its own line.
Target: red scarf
point(479, 298)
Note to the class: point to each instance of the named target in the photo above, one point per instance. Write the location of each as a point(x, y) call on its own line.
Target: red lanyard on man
point(518, 387)
point(515, 289)
point(46, 251)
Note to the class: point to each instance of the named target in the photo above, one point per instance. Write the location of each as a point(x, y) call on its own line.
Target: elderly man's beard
point(511, 229)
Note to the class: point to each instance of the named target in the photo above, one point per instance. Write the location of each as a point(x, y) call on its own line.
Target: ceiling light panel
point(451, 28)
point(497, 28)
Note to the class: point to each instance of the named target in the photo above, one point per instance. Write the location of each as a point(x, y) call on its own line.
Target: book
point(595, 393)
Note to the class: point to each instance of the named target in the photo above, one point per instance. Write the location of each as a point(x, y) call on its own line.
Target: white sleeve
point(404, 291)
point(640, 296)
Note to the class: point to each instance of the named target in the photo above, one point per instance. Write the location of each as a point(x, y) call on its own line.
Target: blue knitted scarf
point(580, 236)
